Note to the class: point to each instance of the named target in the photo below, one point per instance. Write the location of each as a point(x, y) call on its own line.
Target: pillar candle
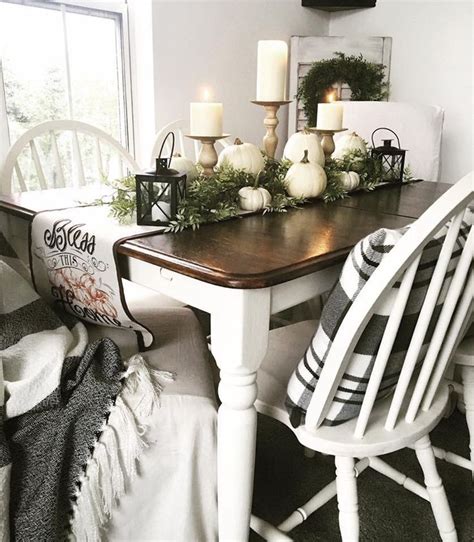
point(272, 70)
point(330, 116)
point(206, 118)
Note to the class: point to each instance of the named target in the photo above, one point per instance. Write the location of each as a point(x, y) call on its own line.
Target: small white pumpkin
point(299, 142)
point(349, 180)
point(305, 180)
point(254, 198)
point(184, 165)
point(347, 143)
point(243, 156)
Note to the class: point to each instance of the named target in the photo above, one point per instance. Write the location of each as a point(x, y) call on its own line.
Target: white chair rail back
point(60, 153)
point(184, 146)
point(419, 127)
point(415, 389)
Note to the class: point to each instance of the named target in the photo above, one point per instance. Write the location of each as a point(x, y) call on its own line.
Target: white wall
point(215, 43)
point(432, 63)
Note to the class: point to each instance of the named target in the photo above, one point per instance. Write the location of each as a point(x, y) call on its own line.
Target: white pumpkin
point(347, 143)
point(244, 156)
point(305, 179)
point(254, 198)
point(299, 142)
point(349, 180)
point(184, 165)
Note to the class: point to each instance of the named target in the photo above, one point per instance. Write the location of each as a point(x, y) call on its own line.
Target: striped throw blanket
point(74, 418)
point(365, 257)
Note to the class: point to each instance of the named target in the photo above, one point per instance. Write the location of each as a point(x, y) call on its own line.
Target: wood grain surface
point(260, 251)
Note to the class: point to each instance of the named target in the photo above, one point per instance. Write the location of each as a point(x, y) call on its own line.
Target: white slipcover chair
point(174, 496)
point(418, 126)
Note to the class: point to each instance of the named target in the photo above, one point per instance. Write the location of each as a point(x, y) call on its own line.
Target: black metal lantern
point(392, 159)
point(159, 192)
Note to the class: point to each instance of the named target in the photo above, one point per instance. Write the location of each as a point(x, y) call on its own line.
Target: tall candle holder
point(270, 139)
point(207, 155)
point(327, 140)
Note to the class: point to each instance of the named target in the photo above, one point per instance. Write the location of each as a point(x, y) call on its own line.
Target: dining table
point(241, 272)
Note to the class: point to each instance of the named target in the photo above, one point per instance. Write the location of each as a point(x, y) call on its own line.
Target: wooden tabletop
point(260, 251)
point(409, 200)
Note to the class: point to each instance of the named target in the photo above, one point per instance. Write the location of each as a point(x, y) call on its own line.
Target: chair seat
point(177, 469)
point(286, 347)
point(179, 347)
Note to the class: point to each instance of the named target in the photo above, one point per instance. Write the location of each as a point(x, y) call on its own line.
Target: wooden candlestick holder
point(208, 154)
point(270, 140)
point(327, 140)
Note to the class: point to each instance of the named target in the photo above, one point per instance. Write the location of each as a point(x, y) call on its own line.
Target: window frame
point(117, 11)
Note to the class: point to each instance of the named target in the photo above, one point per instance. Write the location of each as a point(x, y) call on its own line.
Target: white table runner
point(74, 264)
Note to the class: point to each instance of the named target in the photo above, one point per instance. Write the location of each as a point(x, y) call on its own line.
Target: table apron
point(194, 292)
point(211, 298)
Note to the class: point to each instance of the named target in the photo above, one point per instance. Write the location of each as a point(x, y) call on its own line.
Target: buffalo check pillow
point(364, 258)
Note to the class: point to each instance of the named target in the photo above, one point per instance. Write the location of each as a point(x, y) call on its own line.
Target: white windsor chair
point(110, 160)
point(187, 148)
point(405, 417)
point(56, 174)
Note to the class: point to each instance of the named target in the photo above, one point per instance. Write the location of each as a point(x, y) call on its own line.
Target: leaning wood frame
point(305, 50)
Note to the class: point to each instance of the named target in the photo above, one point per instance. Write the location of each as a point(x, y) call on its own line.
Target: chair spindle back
point(415, 389)
point(107, 158)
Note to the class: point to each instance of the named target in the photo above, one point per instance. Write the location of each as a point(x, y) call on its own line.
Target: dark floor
point(285, 479)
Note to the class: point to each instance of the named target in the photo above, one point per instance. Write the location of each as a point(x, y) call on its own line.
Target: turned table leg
point(239, 343)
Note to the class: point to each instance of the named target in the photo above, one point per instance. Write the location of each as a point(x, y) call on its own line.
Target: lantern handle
point(172, 147)
point(389, 130)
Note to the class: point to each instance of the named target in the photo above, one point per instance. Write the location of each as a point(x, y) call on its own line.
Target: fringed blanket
point(74, 419)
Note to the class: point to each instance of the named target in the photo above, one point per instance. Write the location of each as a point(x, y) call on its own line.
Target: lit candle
point(330, 115)
point(206, 117)
point(271, 70)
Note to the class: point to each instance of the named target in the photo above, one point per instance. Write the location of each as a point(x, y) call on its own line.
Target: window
point(62, 60)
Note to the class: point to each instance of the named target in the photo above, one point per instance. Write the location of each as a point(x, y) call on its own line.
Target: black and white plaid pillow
point(364, 258)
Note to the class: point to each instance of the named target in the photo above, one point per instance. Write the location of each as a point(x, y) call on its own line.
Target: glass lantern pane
point(391, 168)
point(161, 202)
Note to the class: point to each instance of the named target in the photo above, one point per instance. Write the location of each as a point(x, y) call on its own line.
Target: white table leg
point(239, 332)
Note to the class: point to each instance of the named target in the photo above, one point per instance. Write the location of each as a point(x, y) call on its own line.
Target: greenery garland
point(216, 198)
point(365, 79)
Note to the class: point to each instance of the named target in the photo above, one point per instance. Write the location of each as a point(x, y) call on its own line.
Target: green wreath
point(365, 79)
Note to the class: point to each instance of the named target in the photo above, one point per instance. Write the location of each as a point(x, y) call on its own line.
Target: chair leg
point(347, 499)
point(323, 496)
point(434, 485)
point(467, 373)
